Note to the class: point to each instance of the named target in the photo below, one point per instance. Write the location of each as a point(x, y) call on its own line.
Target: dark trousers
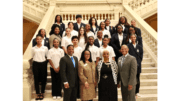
point(56, 83)
point(40, 71)
point(70, 94)
point(126, 94)
point(138, 83)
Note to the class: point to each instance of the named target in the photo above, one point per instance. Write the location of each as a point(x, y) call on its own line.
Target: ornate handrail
point(144, 8)
point(147, 30)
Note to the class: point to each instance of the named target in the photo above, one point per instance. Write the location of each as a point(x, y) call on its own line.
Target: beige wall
point(152, 21)
point(29, 29)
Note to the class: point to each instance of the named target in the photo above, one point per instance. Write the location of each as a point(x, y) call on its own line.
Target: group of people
point(84, 57)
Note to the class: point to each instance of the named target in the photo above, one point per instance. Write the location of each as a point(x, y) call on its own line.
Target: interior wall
point(29, 29)
point(152, 21)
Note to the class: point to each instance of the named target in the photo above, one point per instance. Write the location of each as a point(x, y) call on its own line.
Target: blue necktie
point(73, 61)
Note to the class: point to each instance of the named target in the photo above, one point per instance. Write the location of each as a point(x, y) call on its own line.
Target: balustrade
point(70, 16)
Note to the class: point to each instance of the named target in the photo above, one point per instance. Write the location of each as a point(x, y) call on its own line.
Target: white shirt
point(79, 25)
point(58, 24)
point(123, 26)
point(66, 41)
point(94, 29)
point(77, 52)
point(73, 33)
point(134, 45)
point(111, 52)
point(94, 52)
point(107, 27)
point(43, 41)
point(105, 32)
point(90, 33)
point(38, 54)
point(120, 36)
point(82, 43)
point(100, 42)
point(55, 54)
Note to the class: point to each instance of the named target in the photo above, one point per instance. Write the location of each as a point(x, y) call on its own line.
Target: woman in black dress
point(107, 78)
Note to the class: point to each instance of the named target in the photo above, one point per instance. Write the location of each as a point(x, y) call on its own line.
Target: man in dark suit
point(78, 24)
point(117, 40)
point(69, 74)
point(98, 42)
point(127, 70)
point(133, 23)
point(136, 51)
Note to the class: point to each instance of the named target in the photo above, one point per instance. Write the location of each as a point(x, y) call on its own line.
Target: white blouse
point(66, 41)
point(38, 54)
point(90, 33)
point(94, 52)
point(111, 52)
point(82, 43)
point(105, 32)
point(77, 52)
point(73, 33)
point(55, 54)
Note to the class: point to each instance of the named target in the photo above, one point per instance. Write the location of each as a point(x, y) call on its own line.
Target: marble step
point(146, 59)
point(148, 82)
point(145, 55)
point(148, 76)
point(143, 97)
point(147, 64)
point(149, 70)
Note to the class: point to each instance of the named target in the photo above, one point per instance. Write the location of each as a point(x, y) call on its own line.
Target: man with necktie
point(69, 74)
point(127, 70)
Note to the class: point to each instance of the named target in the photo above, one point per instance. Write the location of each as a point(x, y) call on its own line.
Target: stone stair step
point(147, 64)
point(145, 55)
point(144, 97)
point(146, 60)
point(148, 82)
point(148, 76)
point(149, 70)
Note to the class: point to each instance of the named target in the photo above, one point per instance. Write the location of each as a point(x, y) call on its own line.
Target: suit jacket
point(96, 43)
point(126, 30)
point(62, 29)
point(111, 30)
point(76, 26)
point(87, 72)
point(116, 44)
point(127, 73)
point(138, 41)
point(137, 53)
point(138, 31)
point(68, 72)
point(97, 28)
point(46, 42)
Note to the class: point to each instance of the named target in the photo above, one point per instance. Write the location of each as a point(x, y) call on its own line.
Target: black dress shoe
point(38, 98)
point(41, 97)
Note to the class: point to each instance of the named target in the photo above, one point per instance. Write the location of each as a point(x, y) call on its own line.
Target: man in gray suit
point(127, 70)
point(69, 74)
